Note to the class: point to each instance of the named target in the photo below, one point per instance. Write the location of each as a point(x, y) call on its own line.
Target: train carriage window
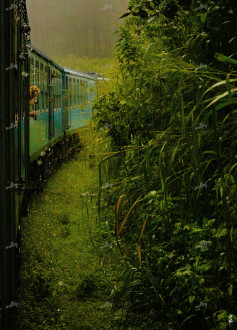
point(57, 85)
point(32, 70)
point(46, 74)
point(78, 92)
point(55, 101)
point(66, 95)
point(82, 89)
point(72, 86)
point(70, 93)
point(37, 80)
point(60, 94)
point(58, 79)
point(73, 92)
point(41, 86)
point(37, 73)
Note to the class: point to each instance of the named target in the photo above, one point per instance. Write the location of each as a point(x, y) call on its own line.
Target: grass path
point(69, 268)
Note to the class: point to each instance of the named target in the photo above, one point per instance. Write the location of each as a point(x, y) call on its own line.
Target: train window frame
point(78, 92)
point(41, 87)
point(70, 92)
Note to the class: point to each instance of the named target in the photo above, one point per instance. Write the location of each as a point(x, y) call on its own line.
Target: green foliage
point(171, 117)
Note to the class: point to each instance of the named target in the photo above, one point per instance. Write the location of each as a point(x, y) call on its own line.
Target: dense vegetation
point(171, 116)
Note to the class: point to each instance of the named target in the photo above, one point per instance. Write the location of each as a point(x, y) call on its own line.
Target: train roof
point(66, 70)
point(81, 74)
point(47, 58)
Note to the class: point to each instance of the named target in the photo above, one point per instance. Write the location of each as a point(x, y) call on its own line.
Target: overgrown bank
point(171, 115)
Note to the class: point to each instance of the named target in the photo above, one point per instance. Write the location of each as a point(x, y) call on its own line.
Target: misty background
point(77, 27)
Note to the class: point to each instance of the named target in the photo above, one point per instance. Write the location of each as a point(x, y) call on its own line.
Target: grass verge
point(69, 262)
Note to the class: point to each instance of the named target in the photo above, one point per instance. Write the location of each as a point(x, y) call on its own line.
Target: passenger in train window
point(34, 94)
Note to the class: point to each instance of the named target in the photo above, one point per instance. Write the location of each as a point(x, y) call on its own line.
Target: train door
point(23, 149)
point(70, 97)
point(13, 64)
point(51, 103)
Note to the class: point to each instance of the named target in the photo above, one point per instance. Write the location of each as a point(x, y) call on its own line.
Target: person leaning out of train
point(34, 95)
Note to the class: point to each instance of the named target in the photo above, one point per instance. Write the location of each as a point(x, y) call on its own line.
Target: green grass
point(67, 278)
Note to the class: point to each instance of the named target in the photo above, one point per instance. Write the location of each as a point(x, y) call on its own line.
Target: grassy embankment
point(69, 268)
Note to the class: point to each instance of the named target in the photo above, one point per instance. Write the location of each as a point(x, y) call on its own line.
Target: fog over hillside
point(80, 27)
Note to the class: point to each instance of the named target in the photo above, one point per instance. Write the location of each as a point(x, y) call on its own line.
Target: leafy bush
point(171, 116)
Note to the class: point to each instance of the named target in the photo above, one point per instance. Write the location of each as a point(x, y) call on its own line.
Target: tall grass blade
point(227, 59)
point(139, 253)
point(127, 215)
point(220, 83)
point(117, 211)
point(139, 243)
point(143, 227)
point(219, 97)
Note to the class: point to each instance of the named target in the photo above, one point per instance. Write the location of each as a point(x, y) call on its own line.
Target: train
point(32, 137)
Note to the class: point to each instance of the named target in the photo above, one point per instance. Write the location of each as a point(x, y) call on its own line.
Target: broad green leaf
point(191, 299)
point(151, 18)
point(221, 316)
point(230, 290)
point(125, 15)
point(221, 232)
point(209, 152)
point(221, 191)
point(203, 18)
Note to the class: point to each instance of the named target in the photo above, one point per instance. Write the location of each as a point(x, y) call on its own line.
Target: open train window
point(37, 73)
point(41, 86)
point(73, 92)
point(70, 93)
point(46, 70)
point(32, 71)
point(78, 92)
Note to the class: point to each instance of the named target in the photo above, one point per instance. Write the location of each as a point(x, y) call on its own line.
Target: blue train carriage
point(79, 92)
point(47, 128)
point(63, 104)
point(14, 135)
